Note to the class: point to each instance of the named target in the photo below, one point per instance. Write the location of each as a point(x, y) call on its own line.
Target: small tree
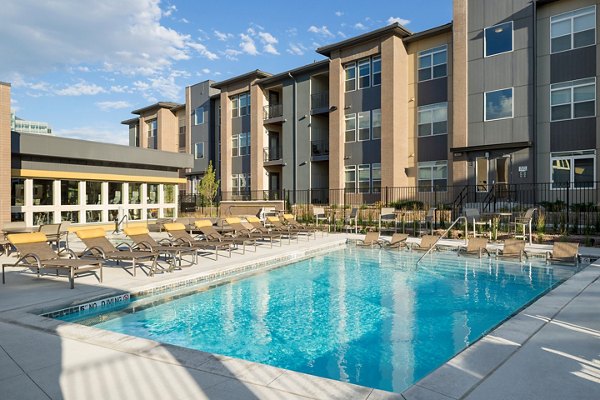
point(209, 184)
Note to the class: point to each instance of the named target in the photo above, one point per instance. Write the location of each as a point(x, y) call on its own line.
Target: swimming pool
point(364, 316)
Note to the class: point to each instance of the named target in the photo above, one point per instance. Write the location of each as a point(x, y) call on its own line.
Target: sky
point(84, 65)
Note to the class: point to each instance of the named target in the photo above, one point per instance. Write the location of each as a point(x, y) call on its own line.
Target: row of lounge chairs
point(564, 252)
point(36, 252)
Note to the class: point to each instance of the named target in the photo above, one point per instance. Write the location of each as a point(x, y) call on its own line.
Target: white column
point(82, 201)
point(104, 204)
point(57, 202)
point(28, 202)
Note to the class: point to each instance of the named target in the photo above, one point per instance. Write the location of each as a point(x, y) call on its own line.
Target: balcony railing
point(319, 148)
point(319, 100)
point(273, 111)
point(272, 154)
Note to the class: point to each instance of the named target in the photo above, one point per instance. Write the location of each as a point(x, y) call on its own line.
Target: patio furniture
point(144, 242)
point(512, 248)
point(241, 231)
point(271, 233)
point(52, 232)
point(473, 216)
point(351, 222)
point(428, 222)
point(564, 252)
point(387, 216)
point(98, 246)
point(17, 227)
point(180, 236)
point(283, 229)
point(523, 224)
point(371, 239)
point(398, 241)
point(475, 246)
point(428, 242)
point(37, 254)
point(290, 220)
point(319, 215)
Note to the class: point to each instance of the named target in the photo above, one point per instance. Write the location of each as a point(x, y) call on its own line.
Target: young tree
point(209, 185)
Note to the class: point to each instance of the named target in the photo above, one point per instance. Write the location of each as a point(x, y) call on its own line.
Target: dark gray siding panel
point(432, 148)
point(240, 124)
point(574, 64)
point(363, 99)
point(240, 165)
point(366, 152)
point(433, 91)
point(576, 134)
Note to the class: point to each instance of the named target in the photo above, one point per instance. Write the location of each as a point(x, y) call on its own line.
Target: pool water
point(364, 316)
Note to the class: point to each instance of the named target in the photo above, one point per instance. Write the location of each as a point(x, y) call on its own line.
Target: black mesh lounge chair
point(98, 246)
point(37, 254)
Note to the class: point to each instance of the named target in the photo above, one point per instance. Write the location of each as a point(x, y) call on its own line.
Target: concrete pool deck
point(550, 350)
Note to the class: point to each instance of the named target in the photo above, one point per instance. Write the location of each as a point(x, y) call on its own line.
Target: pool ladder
point(444, 234)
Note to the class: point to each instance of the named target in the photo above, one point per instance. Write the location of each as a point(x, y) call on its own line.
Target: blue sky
point(83, 65)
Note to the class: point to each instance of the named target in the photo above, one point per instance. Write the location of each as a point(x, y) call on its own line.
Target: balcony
point(319, 103)
point(272, 156)
point(273, 113)
point(319, 150)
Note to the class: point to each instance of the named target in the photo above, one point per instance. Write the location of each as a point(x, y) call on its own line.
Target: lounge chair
point(290, 221)
point(97, 245)
point(398, 241)
point(182, 237)
point(371, 239)
point(475, 246)
point(270, 233)
point(144, 242)
point(37, 254)
point(427, 242)
point(513, 248)
point(564, 252)
point(241, 231)
point(286, 230)
point(209, 232)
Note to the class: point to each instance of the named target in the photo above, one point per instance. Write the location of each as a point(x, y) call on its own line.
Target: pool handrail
point(444, 234)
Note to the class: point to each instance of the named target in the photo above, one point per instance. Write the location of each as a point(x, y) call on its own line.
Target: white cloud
point(184, 20)
point(291, 32)
point(295, 49)
point(203, 51)
point(169, 11)
point(399, 20)
point(223, 36)
point(49, 36)
point(231, 54)
point(205, 71)
point(341, 34)
point(323, 31)
point(247, 45)
point(104, 134)
point(165, 87)
point(339, 13)
point(119, 89)
point(360, 26)
point(113, 105)
point(269, 41)
point(81, 88)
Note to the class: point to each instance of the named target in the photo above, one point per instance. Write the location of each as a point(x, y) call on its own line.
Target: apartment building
point(504, 94)
point(26, 126)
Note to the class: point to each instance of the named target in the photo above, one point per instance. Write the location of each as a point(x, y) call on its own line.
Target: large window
point(69, 193)
point(573, 29)
point(17, 192)
point(433, 119)
point(240, 144)
point(93, 192)
point(240, 105)
point(433, 63)
point(240, 183)
point(364, 178)
point(152, 129)
point(376, 70)
point(199, 150)
point(115, 193)
point(364, 73)
point(364, 125)
point(574, 99)
point(498, 39)
point(43, 193)
point(350, 77)
point(376, 123)
point(574, 169)
point(350, 128)
point(350, 179)
point(432, 176)
point(199, 116)
point(152, 193)
point(376, 177)
point(169, 194)
point(135, 193)
point(498, 104)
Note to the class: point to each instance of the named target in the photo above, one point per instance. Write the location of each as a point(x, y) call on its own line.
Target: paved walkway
point(549, 351)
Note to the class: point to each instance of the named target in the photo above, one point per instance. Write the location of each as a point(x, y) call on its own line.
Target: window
point(350, 127)
point(135, 193)
point(498, 39)
point(350, 72)
point(235, 146)
point(433, 63)
point(199, 150)
point(69, 193)
point(152, 128)
point(43, 193)
point(240, 105)
point(376, 121)
point(17, 192)
point(135, 214)
point(376, 67)
point(433, 119)
point(240, 183)
point(573, 29)
point(350, 179)
point(364, 125)
point(364, 178)
point(152, 197)
point(376, 177)
point(364, 74)
point(199, 116)
point(169, 194)
point(241, 144)
point(243, 104)
point(574, 169)
point(498, 104)
point(574, 99)
point(93, 193)
point(235, 108)
point(182, 137)
point(432, 176)
point(115, 191)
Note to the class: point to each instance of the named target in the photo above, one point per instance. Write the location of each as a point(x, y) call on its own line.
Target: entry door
point(274, 146)
point(502, 176)
point(481, 174)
